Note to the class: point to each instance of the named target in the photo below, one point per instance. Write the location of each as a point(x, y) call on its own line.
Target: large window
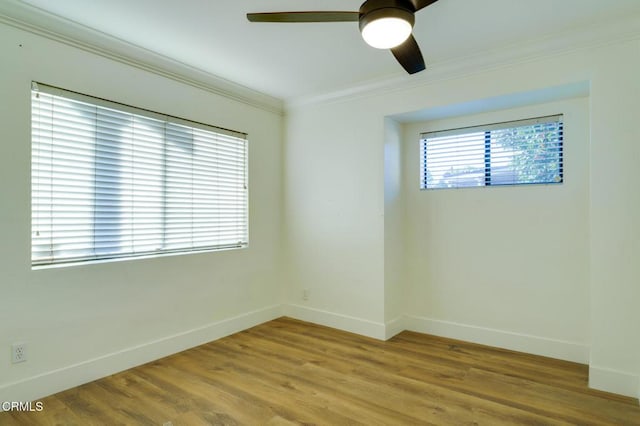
point(111, 181)
point(517, 152)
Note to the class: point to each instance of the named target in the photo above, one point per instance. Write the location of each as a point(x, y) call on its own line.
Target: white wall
point(82, 322)
point(615, 228)
point(503, 265)
point(334, 218)
point(395, 279)
point(336, 237)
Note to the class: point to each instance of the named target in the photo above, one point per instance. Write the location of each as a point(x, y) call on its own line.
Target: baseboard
point(395, 326)
point(342, 322)
point(614, 381)
point(51, 382)
point(559, 349)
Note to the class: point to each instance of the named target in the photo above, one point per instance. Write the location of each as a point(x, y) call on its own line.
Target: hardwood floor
point(289, 372)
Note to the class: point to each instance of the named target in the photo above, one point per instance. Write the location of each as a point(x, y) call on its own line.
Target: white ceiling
point(294, 60)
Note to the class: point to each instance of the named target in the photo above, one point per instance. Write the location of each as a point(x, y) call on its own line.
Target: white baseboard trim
point(331, 319)
point(559, 349)
point(48, 383)
point(614, 381)
point(36, 387)
point(395, 326)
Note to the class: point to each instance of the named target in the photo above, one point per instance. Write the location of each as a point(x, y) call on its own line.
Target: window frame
point(487, 129)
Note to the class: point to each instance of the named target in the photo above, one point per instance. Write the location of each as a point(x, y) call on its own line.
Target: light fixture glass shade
point(386, 33)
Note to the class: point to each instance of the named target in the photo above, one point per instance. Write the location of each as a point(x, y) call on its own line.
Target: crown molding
point(561, 43)
point(39, 22)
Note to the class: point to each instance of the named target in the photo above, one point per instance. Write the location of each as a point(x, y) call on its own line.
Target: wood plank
point(288, 372)
point(374, 384)
point(553, 401)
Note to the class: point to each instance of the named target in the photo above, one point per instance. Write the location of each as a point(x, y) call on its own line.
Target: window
point(517, 152)
point(112, 181)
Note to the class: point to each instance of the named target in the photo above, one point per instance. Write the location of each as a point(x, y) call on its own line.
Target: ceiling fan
point(384, 24)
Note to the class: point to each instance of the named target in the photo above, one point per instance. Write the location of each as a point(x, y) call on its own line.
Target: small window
point(513, 153)
point(112, 181)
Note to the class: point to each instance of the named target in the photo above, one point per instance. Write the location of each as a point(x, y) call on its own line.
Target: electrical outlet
point(305, 294)
point(18, 352)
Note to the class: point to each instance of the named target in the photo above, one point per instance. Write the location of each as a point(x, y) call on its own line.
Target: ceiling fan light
point(386, 33)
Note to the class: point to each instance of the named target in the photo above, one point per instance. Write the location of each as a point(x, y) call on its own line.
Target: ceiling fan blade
point(327, 16)
point(409, 56)
point(421, 4)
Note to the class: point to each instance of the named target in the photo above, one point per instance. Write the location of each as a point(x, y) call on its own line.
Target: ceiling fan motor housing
point(372, 10)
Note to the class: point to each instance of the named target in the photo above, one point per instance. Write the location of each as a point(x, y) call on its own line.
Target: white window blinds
point(518, 152)
point(111, 181)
